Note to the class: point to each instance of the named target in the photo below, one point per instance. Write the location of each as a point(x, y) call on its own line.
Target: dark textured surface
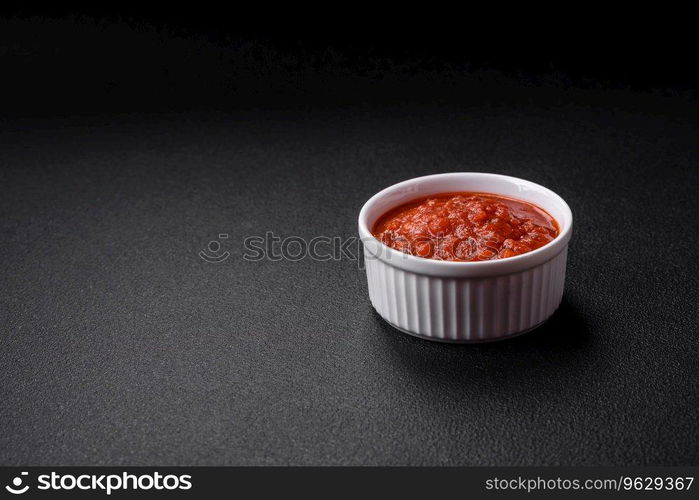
point(119, 345)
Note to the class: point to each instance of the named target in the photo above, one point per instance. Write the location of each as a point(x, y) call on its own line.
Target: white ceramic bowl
point(465, 301)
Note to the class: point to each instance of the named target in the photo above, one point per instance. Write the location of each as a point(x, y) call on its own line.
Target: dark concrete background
point(120, 345)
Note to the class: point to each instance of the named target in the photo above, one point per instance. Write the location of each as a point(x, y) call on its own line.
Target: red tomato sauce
point(466, 227)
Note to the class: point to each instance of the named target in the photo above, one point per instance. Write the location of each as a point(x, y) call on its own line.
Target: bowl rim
point(495, 267)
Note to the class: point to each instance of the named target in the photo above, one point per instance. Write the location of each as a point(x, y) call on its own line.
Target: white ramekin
point(465, 301)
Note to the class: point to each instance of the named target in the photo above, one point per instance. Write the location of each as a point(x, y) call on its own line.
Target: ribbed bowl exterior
point(466, 309)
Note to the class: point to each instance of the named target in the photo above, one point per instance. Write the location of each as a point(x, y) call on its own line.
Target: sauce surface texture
point(466, 227)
